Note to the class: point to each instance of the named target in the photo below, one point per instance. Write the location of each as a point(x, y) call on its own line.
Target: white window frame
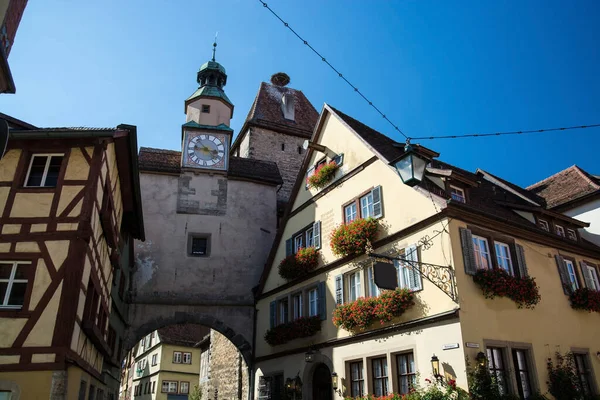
point(571, 234)
point(373, 290)
point(511, 268)
point(297, 306)
point(297, 243)
point(204, 359)
point(544, 225)
point(187, 391)
point(572, 273)
point(353, 280)
point(284, 308)
point(366, 209)
point(351, 206)
point(559, 230)
point(309, 237)
point(314, 301)
point(154, 359)
point(459, 193)
point(11, 280)
point(177, 357)
point(186, 358)
point(593, 274)
point(479, 254)
point(44, 176)
point(169, 386)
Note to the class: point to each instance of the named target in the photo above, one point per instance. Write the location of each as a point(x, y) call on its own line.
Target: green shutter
point(322, 304)
point(521, 261)
point(466, 239)
point(563, 273)
point(289, 247)
point(272, 311)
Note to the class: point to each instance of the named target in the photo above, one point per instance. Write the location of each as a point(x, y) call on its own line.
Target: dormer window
point(571, 234)
point(205, 108)
point(544, 225)
point(458, 194)
point(560, 231)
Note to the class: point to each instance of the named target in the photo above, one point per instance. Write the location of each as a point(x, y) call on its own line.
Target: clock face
point(206, 150)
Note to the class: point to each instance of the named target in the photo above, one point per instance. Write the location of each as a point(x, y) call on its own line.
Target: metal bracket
point(442, 276)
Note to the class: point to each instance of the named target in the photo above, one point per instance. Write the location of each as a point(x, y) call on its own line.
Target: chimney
point(287, 106)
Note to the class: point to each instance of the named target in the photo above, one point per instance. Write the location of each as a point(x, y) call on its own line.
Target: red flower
point(299, 264)
point(322, 175)
point(497, 282)
point(352, 238)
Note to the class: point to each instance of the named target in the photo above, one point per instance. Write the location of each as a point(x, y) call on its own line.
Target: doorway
point(321, 385)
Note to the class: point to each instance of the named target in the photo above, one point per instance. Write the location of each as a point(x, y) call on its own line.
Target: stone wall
point(266, 144)
point(228, 373)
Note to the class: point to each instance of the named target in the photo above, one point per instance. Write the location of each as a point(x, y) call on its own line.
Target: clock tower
point(206, 135)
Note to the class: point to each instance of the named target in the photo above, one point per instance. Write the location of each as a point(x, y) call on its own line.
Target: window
point(407, 375)
point(310, 236)
point(282, 146)
point(357, 383)
point(150, 340)
point(299, 150)
point(365, 206)
point(373, 290)
point(571, 234)
point(503, 257)
point(297, 305)
point(522, 372)
point(187, 358)
point(204, 366)
point(313, 302)
point(176, 357)
point(92, 394)
point(13, 284)
point(591, 276)
point(154, 387)
point(496, 366)
point(572, 274)
point(143, 343)
point(408, 276)
point(43, 170)
point(283, 311)
point(350, 213)
point(380, 380)
point(560, 231)
point(544, 225)
point(169, 387)
point(482, 252)
point(146, 387)
point(184, 387)
point(583, 372)
point(354, 286)
point(297, 243)
point(154, 357)
point(457, 194)
point(198, 246)
point(205, 108)
point(82, 390)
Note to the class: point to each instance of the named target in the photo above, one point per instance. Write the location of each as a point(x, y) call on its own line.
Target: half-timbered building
point(69, 210)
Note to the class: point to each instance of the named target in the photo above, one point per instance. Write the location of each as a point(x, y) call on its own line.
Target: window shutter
point(466, 239)
point(339, 290)
point(564, 274)
point(377, 203)
point(339, 159)
point(317, 235)
point(587, 277)
point(289, 247)
point(321, 303)
point(415, 282)
point(273, 311)
point(521, 261)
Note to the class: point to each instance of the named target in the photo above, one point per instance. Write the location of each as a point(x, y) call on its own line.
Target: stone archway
point(309, 373)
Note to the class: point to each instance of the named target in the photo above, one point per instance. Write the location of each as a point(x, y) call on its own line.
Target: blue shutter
point(339, 159)
point(321, 303)
point(339, 290)
point(317, 235)
point(289, 247)
point(273, 311)
point(377, 202)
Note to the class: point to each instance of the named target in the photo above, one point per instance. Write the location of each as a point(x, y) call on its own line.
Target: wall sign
point(450, 346)
point(472, 345)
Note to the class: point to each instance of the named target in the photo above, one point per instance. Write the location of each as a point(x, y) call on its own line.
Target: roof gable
point(565, 186)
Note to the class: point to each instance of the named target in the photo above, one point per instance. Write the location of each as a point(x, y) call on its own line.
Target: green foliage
point(497, 282)
point(353, 238)
point(322, 175)
point(299, 264)
point(585, 299)
point(563, 381)
point(196, 393)
point(299, 328)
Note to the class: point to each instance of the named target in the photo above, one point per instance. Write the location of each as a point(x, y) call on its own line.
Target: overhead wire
point(506, 133)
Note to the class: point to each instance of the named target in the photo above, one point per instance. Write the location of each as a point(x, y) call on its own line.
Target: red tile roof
point(565, 186)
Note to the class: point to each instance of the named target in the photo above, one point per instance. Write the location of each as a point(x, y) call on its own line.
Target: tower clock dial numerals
point(205, 150)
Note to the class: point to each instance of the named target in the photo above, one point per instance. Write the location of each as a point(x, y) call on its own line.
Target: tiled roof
point(523, 192)
point(565, 186)
point(267, 108)
point(169, 161)
point(209, 91)
point(183, 334)
point(220, 127)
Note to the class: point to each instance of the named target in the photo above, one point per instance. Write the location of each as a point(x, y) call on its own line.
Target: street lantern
point(309, 356)
point(334, 380)
point(481, 359)
point(435, 366)
point(411, 165)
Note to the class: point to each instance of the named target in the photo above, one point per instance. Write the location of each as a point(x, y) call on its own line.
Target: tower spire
point(215, 45)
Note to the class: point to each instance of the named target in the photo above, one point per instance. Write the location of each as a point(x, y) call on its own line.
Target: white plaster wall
point(220, 113)
point(589, 212)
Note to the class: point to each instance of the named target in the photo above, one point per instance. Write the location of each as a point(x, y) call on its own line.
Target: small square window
point(571, 234)
point(560, 231)
point(199, 245)
point(205, 108)
point(458, 194)
point(544, 225)
point(43, 170)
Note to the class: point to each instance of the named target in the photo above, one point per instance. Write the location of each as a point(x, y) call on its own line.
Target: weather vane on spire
point(215, 45)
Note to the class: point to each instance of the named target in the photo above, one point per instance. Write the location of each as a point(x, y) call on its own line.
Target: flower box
point(322, 176)
point(300, 328)
point(299, 264)
point(353, 238)
point(497, 282)
point(585, 299)
point(360, 314)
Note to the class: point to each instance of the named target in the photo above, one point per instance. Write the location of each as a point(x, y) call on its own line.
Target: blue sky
point(434, 67)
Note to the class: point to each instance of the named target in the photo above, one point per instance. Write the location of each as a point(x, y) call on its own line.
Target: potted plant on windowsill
point(353, 238)
point(496, 282)
point(322, 176)
point(299, 264)
point(585, 299)
point(361, 313)
point(299, 328)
